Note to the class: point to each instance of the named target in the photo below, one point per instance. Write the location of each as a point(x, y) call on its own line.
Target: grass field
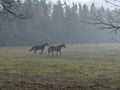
point(81, 67)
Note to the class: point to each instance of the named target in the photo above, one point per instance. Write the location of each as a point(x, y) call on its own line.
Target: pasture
point(81, 67)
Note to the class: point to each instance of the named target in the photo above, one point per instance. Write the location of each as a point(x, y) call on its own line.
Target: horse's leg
point(52, 53)
point(57, 53)
point(60, 52)
point(41, 52)
point(49, 51)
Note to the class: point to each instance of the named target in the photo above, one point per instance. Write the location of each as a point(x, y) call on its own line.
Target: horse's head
point(63, 45)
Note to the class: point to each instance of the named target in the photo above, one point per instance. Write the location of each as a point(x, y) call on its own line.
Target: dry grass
point(81, 67)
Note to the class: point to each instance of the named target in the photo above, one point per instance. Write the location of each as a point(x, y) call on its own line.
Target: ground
point(81, 67)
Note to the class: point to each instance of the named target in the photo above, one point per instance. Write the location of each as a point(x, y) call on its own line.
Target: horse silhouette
point(37, 47)
point(57, 48)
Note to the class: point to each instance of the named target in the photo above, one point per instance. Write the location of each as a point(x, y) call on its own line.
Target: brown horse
point(41, 47)
point(58, 48)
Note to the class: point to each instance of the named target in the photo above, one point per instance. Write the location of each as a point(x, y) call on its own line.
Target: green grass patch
point(81, 67)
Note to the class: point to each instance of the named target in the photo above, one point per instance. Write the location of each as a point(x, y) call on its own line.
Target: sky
point(98, 3)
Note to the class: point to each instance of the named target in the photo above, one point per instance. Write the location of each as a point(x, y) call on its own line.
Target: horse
point(57, 48)
point(37, 47)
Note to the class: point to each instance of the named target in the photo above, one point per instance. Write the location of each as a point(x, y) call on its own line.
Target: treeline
point(52, 23)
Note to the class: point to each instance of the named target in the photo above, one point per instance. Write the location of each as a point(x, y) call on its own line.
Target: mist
point(53, 23)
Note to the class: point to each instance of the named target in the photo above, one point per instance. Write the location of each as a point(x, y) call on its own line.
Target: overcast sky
point(98, 3)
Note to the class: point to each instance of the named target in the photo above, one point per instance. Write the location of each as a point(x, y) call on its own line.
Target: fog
point(53, 23)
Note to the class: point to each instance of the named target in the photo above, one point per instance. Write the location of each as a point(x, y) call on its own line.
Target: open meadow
point(81, 67)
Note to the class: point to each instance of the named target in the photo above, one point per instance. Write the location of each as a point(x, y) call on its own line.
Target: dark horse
point(51, 49)
point(41, 47)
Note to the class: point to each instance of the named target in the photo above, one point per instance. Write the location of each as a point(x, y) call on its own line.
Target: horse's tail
point(31, 49)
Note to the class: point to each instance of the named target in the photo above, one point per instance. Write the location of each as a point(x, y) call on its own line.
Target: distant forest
point(53, 23)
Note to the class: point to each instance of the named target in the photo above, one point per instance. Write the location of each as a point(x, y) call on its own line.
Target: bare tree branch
point(8, 6)
point(104, 24)
point(114, 2)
